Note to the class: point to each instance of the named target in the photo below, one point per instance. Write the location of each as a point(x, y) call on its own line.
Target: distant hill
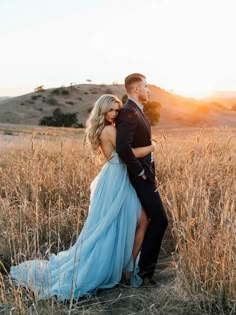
point(226, 98)
point(4, 98)
point(176, 111)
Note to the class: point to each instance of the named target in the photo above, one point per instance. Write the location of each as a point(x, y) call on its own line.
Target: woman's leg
point(140, 232)
point(139, 236)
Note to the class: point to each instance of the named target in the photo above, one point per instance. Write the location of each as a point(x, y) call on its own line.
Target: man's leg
point(153, 206)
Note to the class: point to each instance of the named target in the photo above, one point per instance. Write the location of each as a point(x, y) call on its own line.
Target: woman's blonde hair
point(96, 121)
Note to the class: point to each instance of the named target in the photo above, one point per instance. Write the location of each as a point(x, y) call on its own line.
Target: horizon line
point(28, 90)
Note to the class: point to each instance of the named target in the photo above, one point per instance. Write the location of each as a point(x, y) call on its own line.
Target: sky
point(184, 46)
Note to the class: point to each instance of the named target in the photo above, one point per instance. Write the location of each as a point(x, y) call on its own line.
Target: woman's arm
point(138, 152)
point(143, 151)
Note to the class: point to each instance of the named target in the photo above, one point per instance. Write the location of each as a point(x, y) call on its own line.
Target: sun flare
point(192, 92)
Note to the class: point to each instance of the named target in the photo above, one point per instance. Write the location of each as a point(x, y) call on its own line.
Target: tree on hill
point(59, 119)
point(151, 110)
point(39, 88)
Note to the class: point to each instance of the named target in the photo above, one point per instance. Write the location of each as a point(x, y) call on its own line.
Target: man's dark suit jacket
point(134, 130)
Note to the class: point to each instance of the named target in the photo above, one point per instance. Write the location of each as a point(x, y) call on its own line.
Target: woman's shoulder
point(108, 130)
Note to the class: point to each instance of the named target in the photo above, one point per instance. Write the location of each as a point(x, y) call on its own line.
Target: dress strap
point(113, 153)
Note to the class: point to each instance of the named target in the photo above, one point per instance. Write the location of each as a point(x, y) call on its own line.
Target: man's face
point(143, 91)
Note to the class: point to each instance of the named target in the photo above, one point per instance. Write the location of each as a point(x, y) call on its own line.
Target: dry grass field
point(44, 195)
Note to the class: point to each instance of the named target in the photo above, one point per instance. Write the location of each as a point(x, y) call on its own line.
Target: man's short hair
point(133, 78)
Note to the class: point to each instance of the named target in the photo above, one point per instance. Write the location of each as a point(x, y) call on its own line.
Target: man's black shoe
point(150, 282)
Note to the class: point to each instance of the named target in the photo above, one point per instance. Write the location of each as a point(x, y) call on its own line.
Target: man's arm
point(126, 127)
point(139, 152)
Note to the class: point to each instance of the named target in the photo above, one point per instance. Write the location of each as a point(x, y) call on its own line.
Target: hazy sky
point(187, 46)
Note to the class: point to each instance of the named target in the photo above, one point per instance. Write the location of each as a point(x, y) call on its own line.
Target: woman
point(112, 234)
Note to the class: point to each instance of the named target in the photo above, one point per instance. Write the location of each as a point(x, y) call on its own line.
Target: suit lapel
point(142, 117)
point(146, 122)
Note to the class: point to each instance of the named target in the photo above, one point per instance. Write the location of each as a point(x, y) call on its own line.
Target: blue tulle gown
point(103, 249)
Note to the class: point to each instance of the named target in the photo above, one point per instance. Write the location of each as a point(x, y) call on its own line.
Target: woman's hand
point(152, 147)
point(153, 141)
point(153, 144)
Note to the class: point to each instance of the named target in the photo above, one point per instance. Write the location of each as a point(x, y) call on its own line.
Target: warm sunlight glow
point(185, 46)
point(192, 92)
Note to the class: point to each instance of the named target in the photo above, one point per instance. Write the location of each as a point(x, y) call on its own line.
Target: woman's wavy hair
point(96, 121)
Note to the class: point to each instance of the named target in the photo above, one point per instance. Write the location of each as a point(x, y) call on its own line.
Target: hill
point(4, 98)
point(176, 111)
point(226, 98)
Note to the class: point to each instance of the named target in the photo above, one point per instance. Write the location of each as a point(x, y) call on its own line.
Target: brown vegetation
point(44, 197)
point(175, 111)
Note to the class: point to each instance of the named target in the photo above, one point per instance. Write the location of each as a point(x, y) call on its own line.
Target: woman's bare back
point(108, 140)
point(108, 144)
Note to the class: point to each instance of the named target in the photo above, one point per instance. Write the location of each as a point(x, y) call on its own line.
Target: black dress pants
point(152, 204)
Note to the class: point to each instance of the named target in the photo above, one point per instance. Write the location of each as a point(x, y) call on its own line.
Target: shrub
point(52, 101)
point(108, 91)
point(124, 98)
point(151, 109)
point(34, 97)
point(59, 119)
point(65, 92)
point(30, 102)
point(56, 91)
point(61, 91)
point(39, 88)
point(80, 125)
point(233, 107)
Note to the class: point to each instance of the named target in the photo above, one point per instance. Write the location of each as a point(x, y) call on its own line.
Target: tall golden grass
point(44, 198)
point(197, 178)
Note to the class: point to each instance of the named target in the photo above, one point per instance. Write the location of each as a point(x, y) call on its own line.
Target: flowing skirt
point(103, 249)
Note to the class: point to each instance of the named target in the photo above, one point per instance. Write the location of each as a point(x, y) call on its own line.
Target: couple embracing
point(122, 236)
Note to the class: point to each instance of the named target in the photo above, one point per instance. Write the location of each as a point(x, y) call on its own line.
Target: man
point(133, 130)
